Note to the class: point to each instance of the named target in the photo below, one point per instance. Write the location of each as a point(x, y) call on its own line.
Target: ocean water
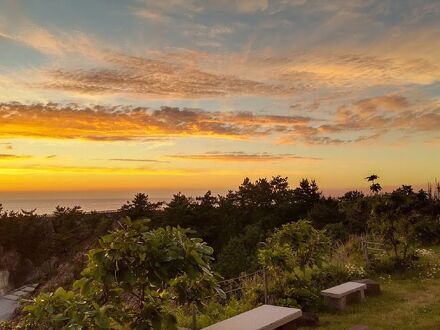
point(47, 206)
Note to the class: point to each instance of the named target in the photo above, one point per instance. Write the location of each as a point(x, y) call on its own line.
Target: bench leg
point(356, 297)
point(335, 303)
point(359, 296)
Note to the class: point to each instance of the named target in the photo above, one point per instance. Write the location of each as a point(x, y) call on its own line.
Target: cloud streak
point(240, 156)
point(137, 160)
point(13, 157)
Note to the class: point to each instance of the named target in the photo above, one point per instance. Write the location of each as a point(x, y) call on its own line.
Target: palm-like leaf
point(372, 177)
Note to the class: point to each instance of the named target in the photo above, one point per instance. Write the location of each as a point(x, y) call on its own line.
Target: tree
point(305, 196)
point(180, 210)
point(239, 255)
point(396, 218)
point(375, 187)
point(129, 282)
point(140, 207)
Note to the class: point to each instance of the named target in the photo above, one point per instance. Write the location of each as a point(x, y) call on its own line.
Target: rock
point(7, 308)
point(373, 287)
point(4, 281)
point(9, 260)
point(308, 319)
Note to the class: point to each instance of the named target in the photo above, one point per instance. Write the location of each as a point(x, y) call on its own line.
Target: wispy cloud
point(56, 43)
point(137, 160)
point(105, 70)
point(13, 157)
point(158, 78)
point(152, 15)
point(7, 145)
point(240, 156)
point(176, 76)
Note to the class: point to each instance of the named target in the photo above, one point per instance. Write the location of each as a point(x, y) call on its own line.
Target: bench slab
point(266, 317)
point(343, 290)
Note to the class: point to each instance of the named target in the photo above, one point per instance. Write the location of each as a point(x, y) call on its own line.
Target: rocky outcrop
point(4, 281)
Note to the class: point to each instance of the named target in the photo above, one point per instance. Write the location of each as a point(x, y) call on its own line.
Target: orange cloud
point(390, 113)
point(363, 120)
point(134, 123)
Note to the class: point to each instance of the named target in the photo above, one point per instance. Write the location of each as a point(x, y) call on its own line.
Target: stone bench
point(373, 287)
point(336, 297)
point(266, 317)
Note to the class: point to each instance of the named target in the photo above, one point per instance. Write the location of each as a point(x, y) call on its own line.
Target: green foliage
point(34, 239)
point(236, 252)
point(140, 207)
point(325, 212)
point(214, 312)
point(292, 247)
point(295, 245)
point(397, 219)
point(129, 281)
point(66, 310)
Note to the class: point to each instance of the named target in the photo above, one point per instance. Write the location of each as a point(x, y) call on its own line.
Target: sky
point(108, 97)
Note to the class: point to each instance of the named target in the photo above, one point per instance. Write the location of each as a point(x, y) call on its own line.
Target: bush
point(329, 276)
point(294, 246)
point(291, 291)
point(391, 265)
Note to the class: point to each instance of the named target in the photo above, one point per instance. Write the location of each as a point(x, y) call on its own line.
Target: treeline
point(236, 223)
point(233, 224)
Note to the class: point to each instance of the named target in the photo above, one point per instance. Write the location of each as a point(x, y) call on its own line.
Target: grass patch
point(403, 305)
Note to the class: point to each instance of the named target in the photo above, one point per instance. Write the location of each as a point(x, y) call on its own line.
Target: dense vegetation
point(306, 241)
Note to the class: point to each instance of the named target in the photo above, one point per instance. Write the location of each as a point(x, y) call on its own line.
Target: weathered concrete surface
point(7, 307)
point(266, 317)
point(336, 297)
point(9, 302)
point(342, 290)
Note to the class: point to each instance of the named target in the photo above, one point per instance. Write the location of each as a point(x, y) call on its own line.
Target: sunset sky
point(106, 98)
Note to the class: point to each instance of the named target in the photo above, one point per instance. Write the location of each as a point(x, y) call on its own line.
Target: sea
point(47, 206)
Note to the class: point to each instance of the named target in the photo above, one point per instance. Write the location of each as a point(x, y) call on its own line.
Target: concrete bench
point(373, 287)
point(336, 297)
point(266, 317)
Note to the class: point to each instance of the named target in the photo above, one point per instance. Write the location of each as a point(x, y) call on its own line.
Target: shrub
point(296, 245)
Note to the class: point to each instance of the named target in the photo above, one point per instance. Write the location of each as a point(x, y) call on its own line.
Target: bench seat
point(265, 317)
point(336, 297)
